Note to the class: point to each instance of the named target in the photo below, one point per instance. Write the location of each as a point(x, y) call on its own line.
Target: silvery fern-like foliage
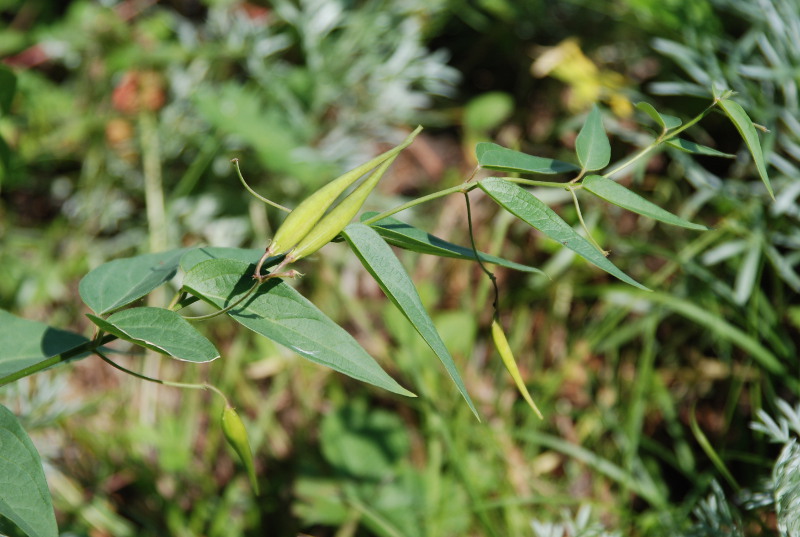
point(578, 526)
point(715, 516)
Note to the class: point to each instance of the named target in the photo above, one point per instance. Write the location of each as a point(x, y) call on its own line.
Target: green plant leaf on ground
point(379, 260)
point(696, 149)
point(666, 122)
point(204, 253)
point(24, 343)
point(592, 145)
point(615, 193)
point(534, 212)
point(744, 125)
point(408, 237)
point(496, 157)
point(161, 330)
point(120, 282)
point(24, 496)
point(285, 316)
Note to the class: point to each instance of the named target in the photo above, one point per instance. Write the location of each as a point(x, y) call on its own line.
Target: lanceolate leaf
point(120, 282)
point(496, 157)
point(406, 236)
point(534, 212)
point(666, 122)
point(159, 329)
point(282, 314)
point(24, 343)
point(379, 260)
point(24, 497)
point(697, 149)
point(617, 194)
point(591, 145)
point(744, 125)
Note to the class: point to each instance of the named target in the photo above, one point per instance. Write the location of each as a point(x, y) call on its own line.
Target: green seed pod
point(337, 219)
point(501, 343)
point(303, 218)
point(236, 435)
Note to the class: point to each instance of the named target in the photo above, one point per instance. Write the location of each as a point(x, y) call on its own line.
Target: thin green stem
point(225, 309)
point(477, 255)
point(253, 192)
point(186, 385)
point(583, 223)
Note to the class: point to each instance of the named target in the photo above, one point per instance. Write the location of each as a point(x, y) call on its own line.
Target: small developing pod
point(303, 218)
point(236, 435)
point(337, 219)
point(501, 343)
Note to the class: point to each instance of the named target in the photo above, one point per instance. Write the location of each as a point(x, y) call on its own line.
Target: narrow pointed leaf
point(696, 149)
point(592, 145)
point(120, 282)
point(665, 121)
point(747, 131)
point(161, 330)
point(408, 237)
point(198, 255)
point(24, 343)
point(534, 212)
point(379, 260)
point(617, 194)
point(285, 316)
point(502, 346)
point(24, 496)
point(496, 157)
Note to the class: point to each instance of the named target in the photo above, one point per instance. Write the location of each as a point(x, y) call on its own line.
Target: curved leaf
point(496, 157)
point(690, 147)
point(617, 194)
point(122, 281)
point(744, 125)
point(24, 343)
point(161, 330)
point(408, 237)
point(24, 496)
point(592, 145)
point(285, 316)
point(379, 260)
point(534, 212)
point(665, 121)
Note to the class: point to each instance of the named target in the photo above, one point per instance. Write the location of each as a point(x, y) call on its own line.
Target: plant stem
point(585, 228)
point(253, 192)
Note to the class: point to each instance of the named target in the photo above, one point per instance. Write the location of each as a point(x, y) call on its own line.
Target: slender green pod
point(337, 219)
point(303, 218)
point(236, 435)
point(501, 343)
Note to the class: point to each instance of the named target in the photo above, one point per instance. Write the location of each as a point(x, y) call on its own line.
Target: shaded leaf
point(120, 282)
point(617, 194)
point(204, 253)
point(24, 343)
point(744, 125)
point(24, 496)
point(161, 330)
point(696, 149)
point(283, 315)
point(534, 212)
point(8, 86)
point(379, 260)
point(592, 145)
point(496, 157)
point(665, 121)
point(402, 235)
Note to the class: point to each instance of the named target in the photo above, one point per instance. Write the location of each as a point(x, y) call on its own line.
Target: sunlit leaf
point(204, 253)
point(617, 194)
point(592, 145)
point(496, 157)
point(665, 121)
point(744, 125)
point(534, 212)
point(379, 260)
point(696, 149)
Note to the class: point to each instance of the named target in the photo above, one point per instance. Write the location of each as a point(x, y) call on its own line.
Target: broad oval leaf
point(496, 157)
point(744, 125)
point(204, 253)
point(617, 194)
point(379, 260)
point(24, 496)
point(120, 282)
point(592, 145)
point(24, 343)
point(285, 316)
point(408, 237)
point(665, 121)
point(161, 330)
point(534, 212)
point(696, 149)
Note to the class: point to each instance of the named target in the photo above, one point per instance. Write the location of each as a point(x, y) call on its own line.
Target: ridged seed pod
point(236, 435)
